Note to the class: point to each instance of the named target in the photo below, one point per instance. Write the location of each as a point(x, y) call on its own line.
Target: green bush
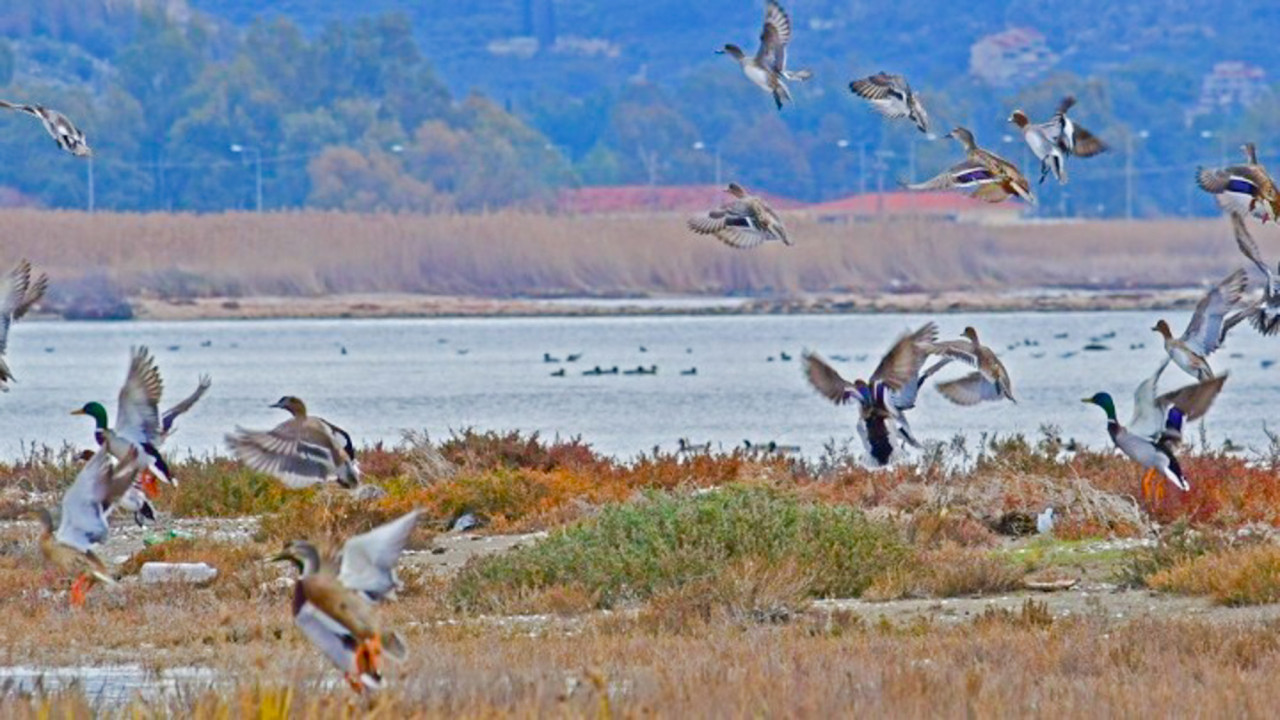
point(632, 551)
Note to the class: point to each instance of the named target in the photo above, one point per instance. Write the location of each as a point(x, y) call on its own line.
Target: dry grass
point(516, 253)
point(1002, 665)
point(1236, 576)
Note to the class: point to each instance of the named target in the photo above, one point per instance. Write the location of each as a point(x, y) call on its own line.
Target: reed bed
point(516, 253)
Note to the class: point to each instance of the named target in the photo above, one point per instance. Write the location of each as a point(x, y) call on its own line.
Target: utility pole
point(89, 173)
point(257, 170)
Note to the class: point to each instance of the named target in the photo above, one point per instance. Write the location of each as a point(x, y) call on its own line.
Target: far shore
point(427, 306)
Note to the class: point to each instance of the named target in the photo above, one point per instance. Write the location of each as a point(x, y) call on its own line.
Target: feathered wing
point(297, 451)
point(1084, 143)
point(905, 399)
point(166, 421)
point(98, 485)
point(138, 408)
point(1147, 417)
point(1192, 400)
point(331, 638)
point(775, 35)
point(1205, 332)
point(969, 390)
point(368, 560)
point(965, 175)
point(1238, 189)
point(1248, 246)
point(827, 381)
point(906, 358)
point(735, 230)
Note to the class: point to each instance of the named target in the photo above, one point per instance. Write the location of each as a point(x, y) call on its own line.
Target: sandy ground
point(401, 305)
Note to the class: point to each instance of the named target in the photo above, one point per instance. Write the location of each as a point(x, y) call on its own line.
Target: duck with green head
point(1156, 427)
point(137, 418)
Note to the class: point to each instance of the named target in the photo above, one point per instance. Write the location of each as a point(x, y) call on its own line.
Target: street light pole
point(257, 170)
point(89, 172)
point(1128, 170)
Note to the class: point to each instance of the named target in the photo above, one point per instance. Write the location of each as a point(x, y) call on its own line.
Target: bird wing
point(969, 390)
point(98, 485)
point(35, 290)
point(1206, 330)
point(961, 350)
point(28, 109)
point(328, 635)
point(881, 86)
point(827, 381)
point(1248, 245)
point(906, 358)
point(1147, 417)
point(774, 37)
point(1193, 400)
point(1237, 186)
point(1084, 143)
point(166, 421)
point(966, 174)
point(13, 290)
point(298, 451)
point(368, 560)
point(738, 231)
point(137, 409)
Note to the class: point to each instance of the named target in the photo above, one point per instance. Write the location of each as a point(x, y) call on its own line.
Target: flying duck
point(768, 69)
point(982, 173)
point(990, 381)
point(1208, 327)
point(1265, 313)
point(64, 132)
point(301, 451)
point(1245, 189)
point(891, 96)
point(745, 221)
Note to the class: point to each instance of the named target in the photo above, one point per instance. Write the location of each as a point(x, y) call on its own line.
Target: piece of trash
point(163, 572)
point(1044, 521)
point(153, 539)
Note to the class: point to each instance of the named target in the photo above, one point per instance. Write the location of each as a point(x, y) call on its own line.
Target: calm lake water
point(442, 374)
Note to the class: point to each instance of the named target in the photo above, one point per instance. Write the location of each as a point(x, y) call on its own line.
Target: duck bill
point(1087, 401)
point(79, 411)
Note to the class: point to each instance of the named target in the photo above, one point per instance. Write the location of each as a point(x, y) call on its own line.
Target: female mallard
point(1156, 428)
point(67, 135)
point(137, 418)
point(339, 620)
point(884, 399)
point(891, 96)
point(17, 294)
point(1208, 327)
point(990, 381)
point(1265, 313)
point(85, 507)
point(1244, 189)
point(300, 451)
point(984, 174)
point(746, 221)
point(768, 69)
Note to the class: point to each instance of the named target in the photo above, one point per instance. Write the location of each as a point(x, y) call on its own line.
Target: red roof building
point(933, 205)
point(615, 199)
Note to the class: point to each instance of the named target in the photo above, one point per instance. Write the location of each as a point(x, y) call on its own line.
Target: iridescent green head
point(1104, 401)
point(95, 411)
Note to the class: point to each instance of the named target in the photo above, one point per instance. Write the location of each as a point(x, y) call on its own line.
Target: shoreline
point(401, 306)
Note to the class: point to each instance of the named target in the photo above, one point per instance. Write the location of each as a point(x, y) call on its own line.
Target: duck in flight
point(768, 68)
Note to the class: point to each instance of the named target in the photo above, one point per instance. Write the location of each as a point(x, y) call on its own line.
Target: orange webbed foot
point(147, 481)
point(78, 590)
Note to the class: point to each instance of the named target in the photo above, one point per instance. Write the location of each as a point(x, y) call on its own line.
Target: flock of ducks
point(335, 597)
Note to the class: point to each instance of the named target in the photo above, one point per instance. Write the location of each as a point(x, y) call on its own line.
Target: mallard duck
point(883, 399)
point(1208, 327)
point(990, 381)
point(1265, 313)
point(1052, 157)
point(85, 507)
point(1156, 427)
point(17, 295)
point(891, 96)
point(983, 174)
point(338, 620)
point(67, 135)
point(746, 221)
point(367, 563)
point(1245, 189)
point(768, 69)
point(135, 500)
point(300, 451)
point(137, 418)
